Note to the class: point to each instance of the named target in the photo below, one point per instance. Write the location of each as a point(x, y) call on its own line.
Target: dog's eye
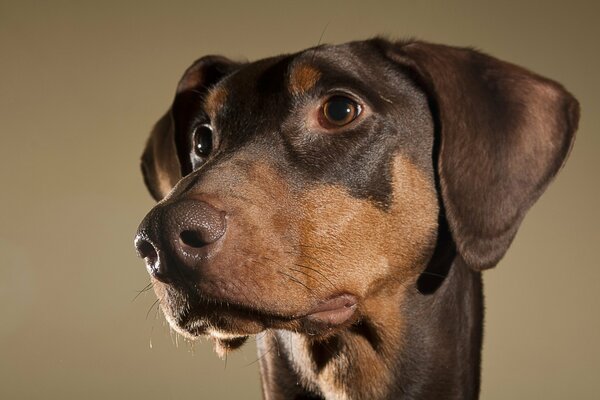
point(339, 111)
point(203, 140)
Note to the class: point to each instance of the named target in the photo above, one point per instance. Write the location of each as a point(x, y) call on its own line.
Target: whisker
point(158, 310)
point(240, 290)
point(318, 272)
point(151, 307)
point(303, 273)
point(320, 263)
point(293, 279)
point(297, 265)
point(434, 274)
point(319, 42)
point(306, 274)
point(258, 359)
point(145, 289)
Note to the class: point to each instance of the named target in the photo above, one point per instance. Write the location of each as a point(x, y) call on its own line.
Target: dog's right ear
point(166, 157)
point(160, 166)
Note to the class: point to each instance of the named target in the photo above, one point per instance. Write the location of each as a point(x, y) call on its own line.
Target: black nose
point(174, 238)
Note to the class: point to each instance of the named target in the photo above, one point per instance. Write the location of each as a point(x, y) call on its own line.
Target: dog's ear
point(160, 166)
point(502, 134)
point(166, 156)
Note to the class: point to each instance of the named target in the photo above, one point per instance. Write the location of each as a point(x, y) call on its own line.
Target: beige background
point(81, 83)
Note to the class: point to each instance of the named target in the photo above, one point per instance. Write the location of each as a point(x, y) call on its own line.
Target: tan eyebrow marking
point(215, 100)
point(303, 78)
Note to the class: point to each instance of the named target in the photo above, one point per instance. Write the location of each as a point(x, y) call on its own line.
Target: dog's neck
point(408, 346)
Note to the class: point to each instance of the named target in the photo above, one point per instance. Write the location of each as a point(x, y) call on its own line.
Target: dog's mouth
point(229, 324)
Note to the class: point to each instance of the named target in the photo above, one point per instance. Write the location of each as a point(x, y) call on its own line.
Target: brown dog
point(341, 202)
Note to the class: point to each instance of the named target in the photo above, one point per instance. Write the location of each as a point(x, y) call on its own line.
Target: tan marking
point(366, 240)
point(374, 254)
point(215, 100)
point(303, 78)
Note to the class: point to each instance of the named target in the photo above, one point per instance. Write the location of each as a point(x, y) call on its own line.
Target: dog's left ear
point(166, 156)
point(503, 134)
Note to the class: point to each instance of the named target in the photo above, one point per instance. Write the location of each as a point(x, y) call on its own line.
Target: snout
point(238, 252)
point(176, 237)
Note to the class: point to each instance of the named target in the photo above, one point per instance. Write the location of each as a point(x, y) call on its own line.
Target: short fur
point(395, 214)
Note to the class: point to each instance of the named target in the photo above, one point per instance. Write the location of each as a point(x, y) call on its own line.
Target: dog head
point(297, 190)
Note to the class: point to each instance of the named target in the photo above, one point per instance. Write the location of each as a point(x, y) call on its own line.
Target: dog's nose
point(175, 237)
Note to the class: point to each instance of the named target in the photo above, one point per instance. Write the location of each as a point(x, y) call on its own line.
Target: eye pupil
point(203, 140)
point(340, 110)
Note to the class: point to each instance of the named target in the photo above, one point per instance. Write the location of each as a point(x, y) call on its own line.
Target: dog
point(340, 203)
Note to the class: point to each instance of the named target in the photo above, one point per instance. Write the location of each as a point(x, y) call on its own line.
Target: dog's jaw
point(229, 325)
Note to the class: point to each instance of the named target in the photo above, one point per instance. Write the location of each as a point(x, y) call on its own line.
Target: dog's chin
point(230, 326)
point(224, 340)
point(225, 345)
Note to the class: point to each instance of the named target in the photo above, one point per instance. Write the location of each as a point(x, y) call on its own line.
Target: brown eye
point(203, 140)
point(339, 111)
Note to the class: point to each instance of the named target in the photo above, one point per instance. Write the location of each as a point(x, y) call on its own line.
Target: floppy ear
point(166, 157)
point(503, 132)
point(160, 166)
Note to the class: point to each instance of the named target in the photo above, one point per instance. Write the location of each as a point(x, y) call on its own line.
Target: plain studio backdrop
point(81, 84)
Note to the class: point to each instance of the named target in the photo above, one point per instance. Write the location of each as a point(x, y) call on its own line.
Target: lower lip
point(334, 311)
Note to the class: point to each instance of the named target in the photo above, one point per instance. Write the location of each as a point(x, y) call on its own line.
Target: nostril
point(147, 251)
point(192, 239)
